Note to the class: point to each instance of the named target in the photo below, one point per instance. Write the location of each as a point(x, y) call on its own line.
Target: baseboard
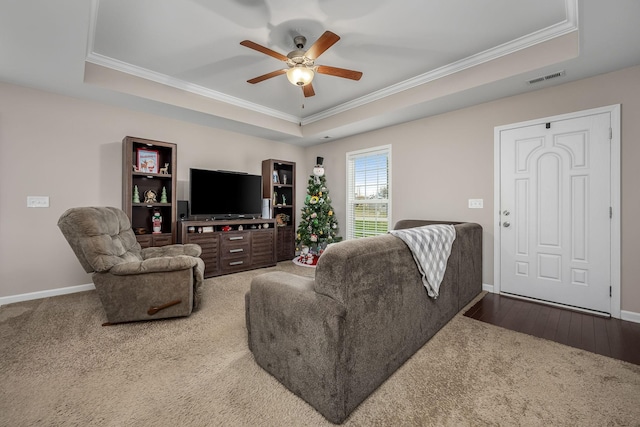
point(488, 288)
point(630, 316)
point(45, 294)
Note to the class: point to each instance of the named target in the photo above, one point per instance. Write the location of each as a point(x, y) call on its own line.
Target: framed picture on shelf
point(148, 160)
point(276, 180)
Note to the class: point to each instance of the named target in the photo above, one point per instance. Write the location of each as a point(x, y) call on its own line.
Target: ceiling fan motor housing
point(299, 41)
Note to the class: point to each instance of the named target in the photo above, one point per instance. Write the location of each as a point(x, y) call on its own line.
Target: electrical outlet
point(37, 201)
point(476, 203)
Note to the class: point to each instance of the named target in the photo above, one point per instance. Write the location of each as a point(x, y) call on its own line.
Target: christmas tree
point(318, 224)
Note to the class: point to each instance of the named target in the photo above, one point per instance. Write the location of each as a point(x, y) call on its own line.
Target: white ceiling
point(183, 59)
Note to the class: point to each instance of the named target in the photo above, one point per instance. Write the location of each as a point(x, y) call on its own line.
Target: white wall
point(71, 150)
point(440, 162)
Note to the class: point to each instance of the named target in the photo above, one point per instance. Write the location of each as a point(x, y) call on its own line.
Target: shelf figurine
point(156, 221)
point(165, 169)
point(136, 194)
point(284, 200)
point(163, 196)
point(150, 196)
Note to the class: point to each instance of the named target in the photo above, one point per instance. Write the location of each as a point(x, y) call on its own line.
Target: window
point(368, 192)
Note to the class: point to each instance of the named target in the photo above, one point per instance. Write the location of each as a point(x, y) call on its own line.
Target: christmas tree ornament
point(318, 170)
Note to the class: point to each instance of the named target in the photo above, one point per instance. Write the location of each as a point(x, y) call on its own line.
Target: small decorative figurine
point(163, 196)
point(284, 200)
point(275, 198)
point(318, 170)
point(284, 178)
point(136, 194)
point(165, 169)
point(156, 221)
point(150, 196)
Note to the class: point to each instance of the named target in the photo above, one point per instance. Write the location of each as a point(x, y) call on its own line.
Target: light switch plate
point(476, 203)
point(37, 201)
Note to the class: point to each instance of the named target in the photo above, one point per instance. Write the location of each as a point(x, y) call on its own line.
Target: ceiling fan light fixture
point(300, 75)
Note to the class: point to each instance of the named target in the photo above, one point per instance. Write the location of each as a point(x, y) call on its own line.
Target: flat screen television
point(222, 194)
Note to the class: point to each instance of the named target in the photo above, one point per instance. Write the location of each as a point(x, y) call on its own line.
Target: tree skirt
point(307, 260)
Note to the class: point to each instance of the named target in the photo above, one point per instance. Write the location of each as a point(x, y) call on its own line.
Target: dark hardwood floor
point(615, 338)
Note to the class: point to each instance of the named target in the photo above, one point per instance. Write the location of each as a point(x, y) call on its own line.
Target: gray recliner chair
point(133, 283)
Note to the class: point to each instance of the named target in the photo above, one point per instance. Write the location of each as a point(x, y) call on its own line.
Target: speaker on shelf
point(266, 208)
point(183, 210)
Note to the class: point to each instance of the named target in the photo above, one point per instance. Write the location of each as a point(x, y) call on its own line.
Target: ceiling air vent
point(547, 77)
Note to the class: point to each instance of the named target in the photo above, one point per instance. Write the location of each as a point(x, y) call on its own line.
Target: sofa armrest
point(190, 249)
point(297, 335)
point(154, 265)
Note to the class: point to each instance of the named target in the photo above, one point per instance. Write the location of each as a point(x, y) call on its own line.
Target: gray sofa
point(334, 339)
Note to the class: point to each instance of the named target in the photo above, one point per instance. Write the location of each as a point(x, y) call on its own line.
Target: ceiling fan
point(302, 63)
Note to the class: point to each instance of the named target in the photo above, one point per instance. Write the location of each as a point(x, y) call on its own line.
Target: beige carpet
point(58, 366)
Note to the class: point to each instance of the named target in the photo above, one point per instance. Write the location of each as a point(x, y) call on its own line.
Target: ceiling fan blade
point(265, 50)
point(339, 72)
point(325, 41)
point(308, 90)
point(266, 76)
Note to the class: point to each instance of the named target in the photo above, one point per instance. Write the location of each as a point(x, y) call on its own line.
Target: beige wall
point(71, 151)
point(438, 163)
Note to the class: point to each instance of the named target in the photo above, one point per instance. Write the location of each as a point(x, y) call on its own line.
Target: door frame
point(614, 111)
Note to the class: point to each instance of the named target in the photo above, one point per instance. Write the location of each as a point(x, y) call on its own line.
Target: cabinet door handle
point(236, 263)
point(236, 238)
point(233, 251)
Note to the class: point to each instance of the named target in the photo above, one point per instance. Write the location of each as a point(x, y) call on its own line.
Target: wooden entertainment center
point(230, 246)
point(149, 192)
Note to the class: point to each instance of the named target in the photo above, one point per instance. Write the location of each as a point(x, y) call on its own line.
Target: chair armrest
point(190, 249)
point(154, 265)
point(297, 335)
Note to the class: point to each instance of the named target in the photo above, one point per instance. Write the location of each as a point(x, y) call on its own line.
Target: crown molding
point(125, 67)
point(567, 26)
point(562, 28)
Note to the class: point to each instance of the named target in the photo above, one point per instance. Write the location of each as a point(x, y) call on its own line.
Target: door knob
point(506, 223)
point(506, 213)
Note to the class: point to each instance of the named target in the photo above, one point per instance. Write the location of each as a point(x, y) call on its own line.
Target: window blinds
point(368, 192)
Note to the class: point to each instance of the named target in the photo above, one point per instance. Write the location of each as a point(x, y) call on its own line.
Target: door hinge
point(610, 133)
point(609, 291)
point(610, 212)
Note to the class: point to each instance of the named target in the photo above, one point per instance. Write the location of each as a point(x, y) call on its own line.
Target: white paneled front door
point(555, 199)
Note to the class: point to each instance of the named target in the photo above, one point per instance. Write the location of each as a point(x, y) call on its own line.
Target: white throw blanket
point(431, 247)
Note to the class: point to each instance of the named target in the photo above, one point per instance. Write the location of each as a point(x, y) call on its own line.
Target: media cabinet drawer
point(234, 250)
point(238, 263)
point(235, 237)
